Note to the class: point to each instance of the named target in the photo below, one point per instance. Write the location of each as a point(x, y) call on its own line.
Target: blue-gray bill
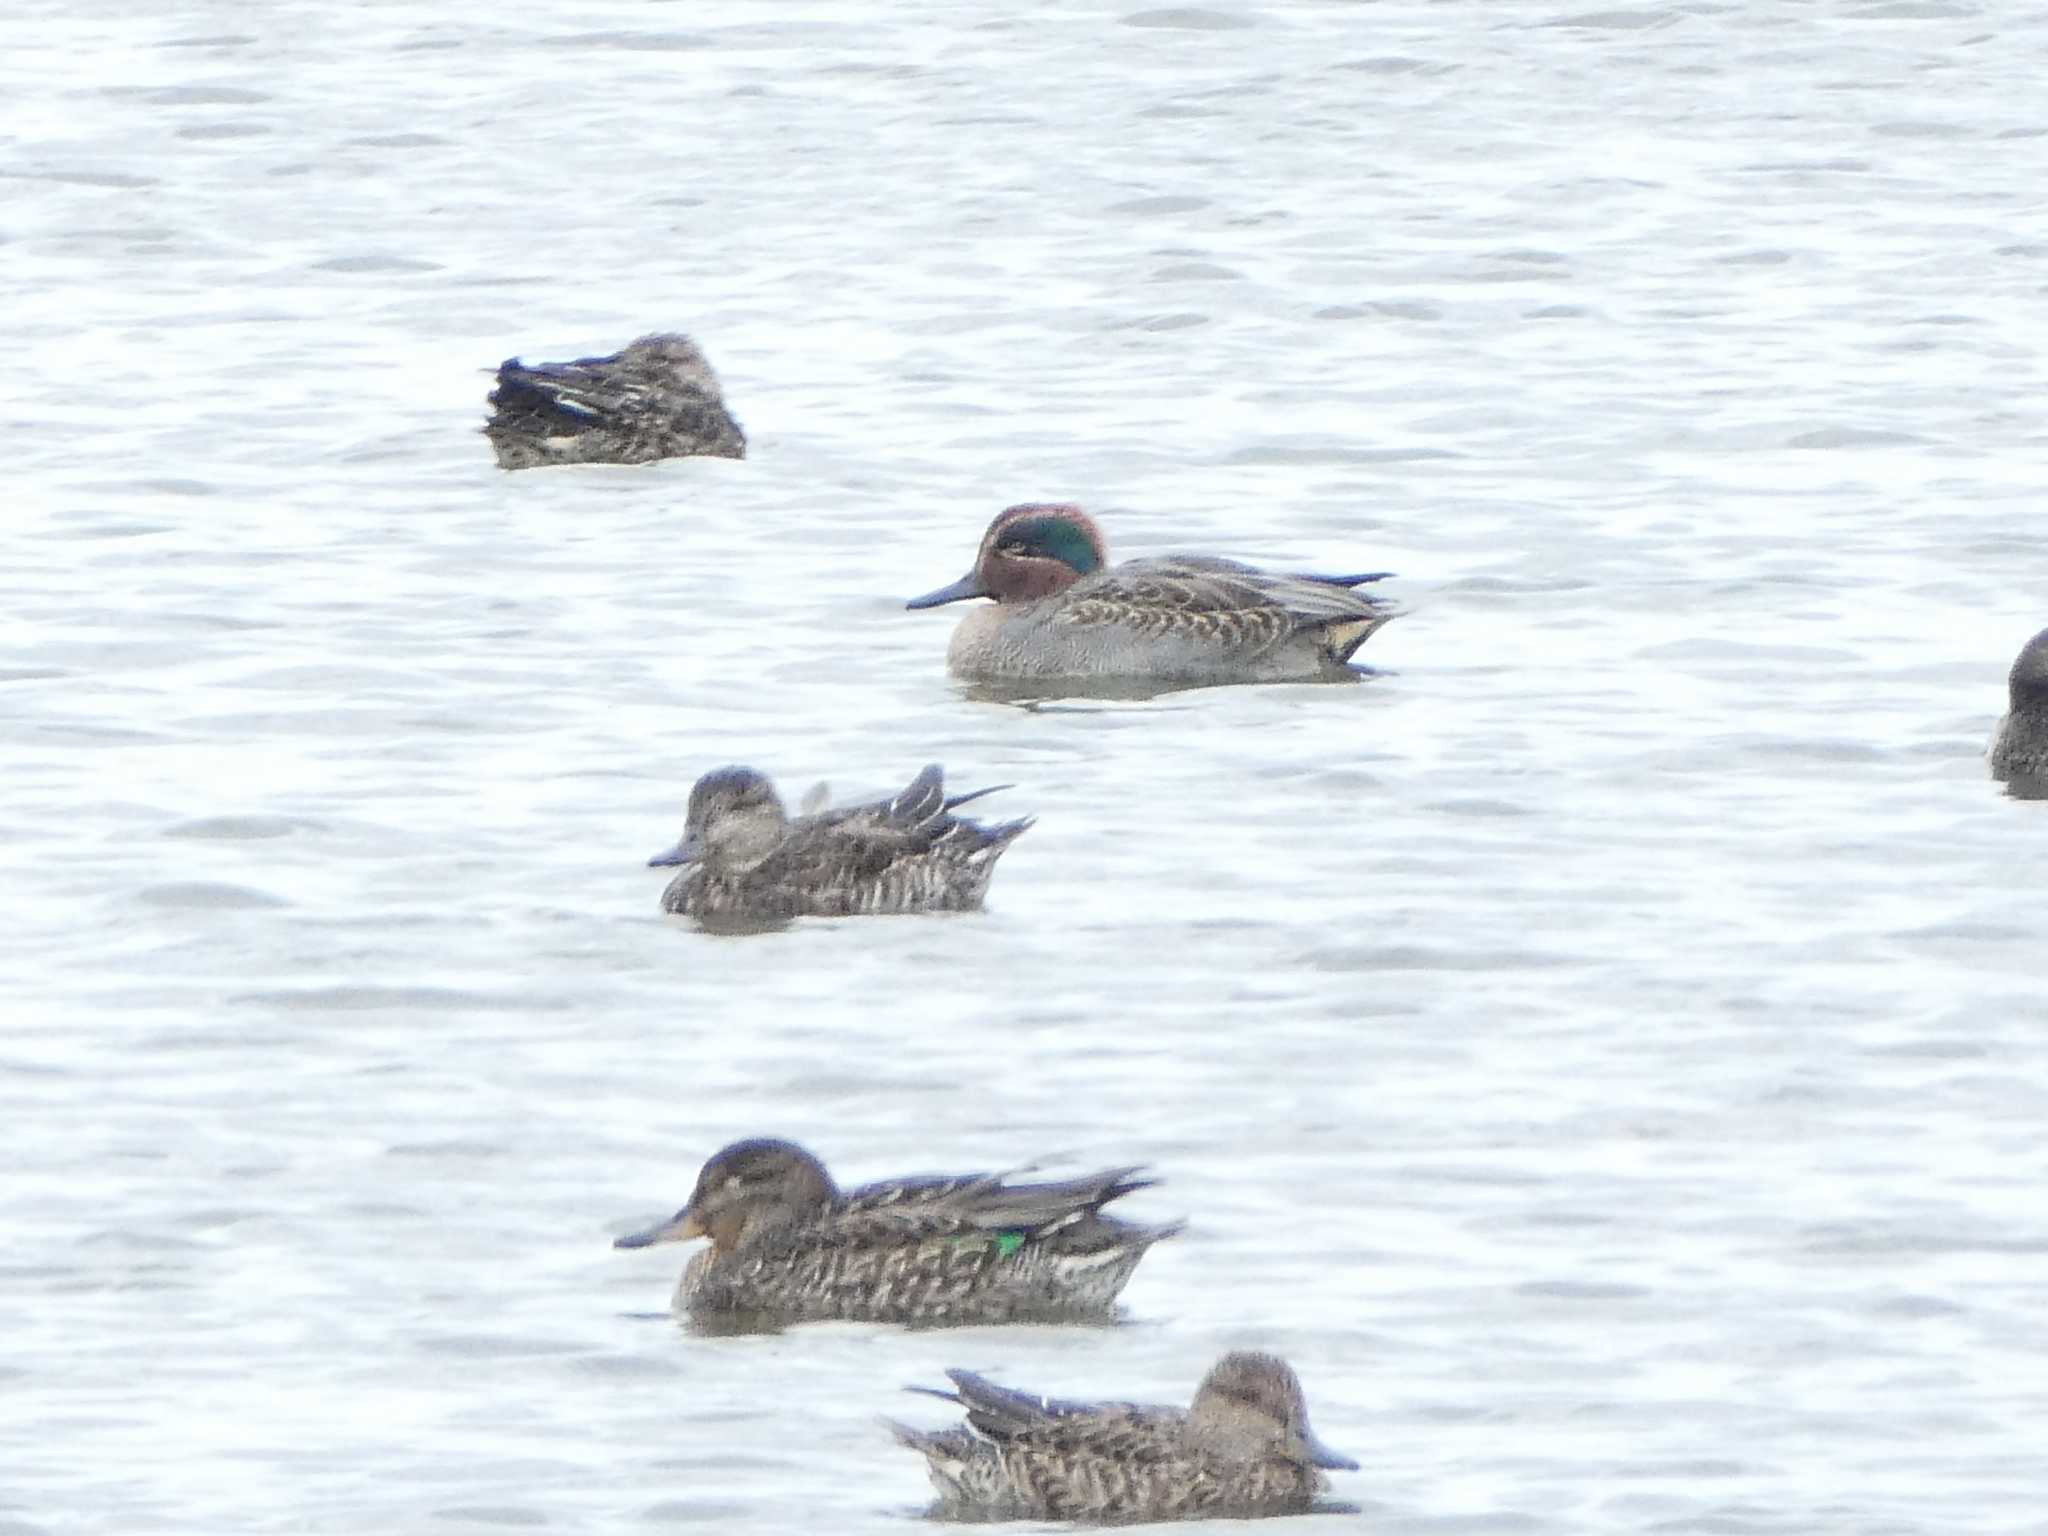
point(1323, 1456)
point(967, 586)
point(684, 852)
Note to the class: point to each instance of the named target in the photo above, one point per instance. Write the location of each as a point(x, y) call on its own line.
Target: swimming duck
point(744, 859)
point(1062, 611)
point(655, 398)
point(787, 1245)
point(2019, 747)
point(1243, 1448)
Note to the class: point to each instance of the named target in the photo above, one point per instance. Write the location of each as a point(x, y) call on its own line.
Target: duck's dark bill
point(967, 586)
point(683, 853)
point(1323, 1456)
point(677, 1228)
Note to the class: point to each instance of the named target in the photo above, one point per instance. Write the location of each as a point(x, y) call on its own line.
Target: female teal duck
point(788, 1246)
point(2019, 747)
point(655, 398)
point(1243, 1448)
point(744, 860)
point(1062, 611)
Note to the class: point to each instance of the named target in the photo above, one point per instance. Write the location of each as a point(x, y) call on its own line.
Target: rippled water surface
point(1604, 1050)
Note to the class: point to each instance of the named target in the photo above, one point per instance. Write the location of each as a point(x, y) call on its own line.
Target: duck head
point(735, 819)
point(751, 1187)
point(2029, 680)
point(1030, 551)
point(671, 354)
point(1250, 1406)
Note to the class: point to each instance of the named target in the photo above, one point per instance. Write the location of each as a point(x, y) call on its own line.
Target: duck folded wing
point(842, 855)
point(1000, 1412)
point(1217, 598)
point(921, 799)
point(979, 1202)
point(549, 396)
point(1125, 1432)
point(1036, 1207)
point(914, 803)
point(618, 388)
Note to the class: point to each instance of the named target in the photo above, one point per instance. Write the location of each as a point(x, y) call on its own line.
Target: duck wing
point(833, 853)
point(978, 1203)
point(917, 802)
point(1220, 600)
point(1122, 1431)
point(572, 396)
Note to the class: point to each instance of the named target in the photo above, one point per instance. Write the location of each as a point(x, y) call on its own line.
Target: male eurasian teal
point(655, 398)
point(788, 1246)
point(2019, 747)
point(1243, 1448)
point(743, 858)
point(1062, 611)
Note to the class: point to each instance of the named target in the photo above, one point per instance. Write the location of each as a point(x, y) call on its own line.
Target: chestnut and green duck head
point(1030, 551)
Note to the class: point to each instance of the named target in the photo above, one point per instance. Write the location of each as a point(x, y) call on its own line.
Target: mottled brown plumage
point(1061, 611)
point(744, 860)
point(1243, 1448)
point(655, 398)
point(788, 1246)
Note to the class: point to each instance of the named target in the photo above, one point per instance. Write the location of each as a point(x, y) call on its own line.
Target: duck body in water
point(1242, 1448)
point(744, 860)
point(788, 1245)
point(1061, 611)
point(655, 398)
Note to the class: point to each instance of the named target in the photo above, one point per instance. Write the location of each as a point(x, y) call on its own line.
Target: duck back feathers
point(655, 398)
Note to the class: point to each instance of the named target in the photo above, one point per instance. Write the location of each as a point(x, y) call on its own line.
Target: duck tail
point(1345, 581)
point(954, 802)
point(1145, 1237)
point(1118, 1182)
point(1345, 636)
point(909, 1435)
point(998, 836)
point(949, 1455)
point(999, 1411)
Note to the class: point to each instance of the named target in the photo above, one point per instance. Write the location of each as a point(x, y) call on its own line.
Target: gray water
point(1603, 1050)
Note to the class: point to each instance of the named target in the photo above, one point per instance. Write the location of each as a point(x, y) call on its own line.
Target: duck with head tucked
point(789, 1246)
point(1062, 611)
point(744, 860)
point(655, 398)
point(1243, 1448)
point(2019, 747)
